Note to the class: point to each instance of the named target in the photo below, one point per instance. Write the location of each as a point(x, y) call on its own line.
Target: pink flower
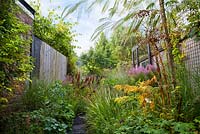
point(151, 67)
point(142, 70)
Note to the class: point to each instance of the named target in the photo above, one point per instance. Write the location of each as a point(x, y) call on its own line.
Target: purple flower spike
point(151, 67)
point(142, 70)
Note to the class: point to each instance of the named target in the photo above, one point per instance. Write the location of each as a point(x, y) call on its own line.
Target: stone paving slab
point(79, 125)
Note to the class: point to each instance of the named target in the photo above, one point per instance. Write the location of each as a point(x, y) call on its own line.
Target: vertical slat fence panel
point(49, 63)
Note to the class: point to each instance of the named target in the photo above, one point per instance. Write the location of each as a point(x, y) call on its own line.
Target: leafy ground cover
point(44, 109)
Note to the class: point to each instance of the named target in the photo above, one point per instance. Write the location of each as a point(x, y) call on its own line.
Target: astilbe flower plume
point(142, 70)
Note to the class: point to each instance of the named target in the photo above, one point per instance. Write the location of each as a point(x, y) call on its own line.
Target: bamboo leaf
point(72, 8)
point(150, 6)
point(171, 2)
point(138, 24)
point(105, 7)
point(100, 29)
point(64, 10)
point(130, 28)
point(156, 21)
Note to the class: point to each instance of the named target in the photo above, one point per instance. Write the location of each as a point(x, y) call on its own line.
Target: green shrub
point(103, 113)
point(46, 111)
point(41, 94)
point(55, 120)
point(77, 97)
point(188, 85)
point(14, 124)
point(115, 77)
point(35, 95)
point(139, 124)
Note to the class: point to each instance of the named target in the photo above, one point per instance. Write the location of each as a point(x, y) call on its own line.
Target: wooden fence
point(49, 64)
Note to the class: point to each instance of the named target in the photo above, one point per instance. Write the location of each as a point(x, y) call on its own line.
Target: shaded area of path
point(79, 125)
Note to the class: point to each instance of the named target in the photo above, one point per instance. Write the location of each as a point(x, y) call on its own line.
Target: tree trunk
point(167, 39)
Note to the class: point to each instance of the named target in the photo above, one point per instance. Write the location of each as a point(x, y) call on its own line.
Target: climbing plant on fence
point(15, 62)
point(57, 34)
point(193, 17)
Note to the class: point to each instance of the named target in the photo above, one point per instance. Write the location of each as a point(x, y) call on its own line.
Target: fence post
point(137, 57)
point(149, 54)
point(133, 58)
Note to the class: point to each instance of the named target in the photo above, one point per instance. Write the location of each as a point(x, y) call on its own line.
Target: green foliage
point(188, 90)
point(103, 113)
point(193, 15)
point(44, 95)
point(38, 94)
point(79, 90)
point(117, 76)
point(99, 57)
point(57, 118)
point(15, 62)
point(46, 110)
point(130, 116)
point(57, 35)
point(43, 121)
point(150, 125)
point(107, 54)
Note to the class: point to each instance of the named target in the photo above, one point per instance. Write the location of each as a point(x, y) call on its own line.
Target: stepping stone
point(79, 125)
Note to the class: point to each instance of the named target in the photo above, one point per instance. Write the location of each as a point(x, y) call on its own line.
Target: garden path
point(79, 125)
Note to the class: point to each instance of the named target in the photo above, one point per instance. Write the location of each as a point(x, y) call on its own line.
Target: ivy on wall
point(15, 62)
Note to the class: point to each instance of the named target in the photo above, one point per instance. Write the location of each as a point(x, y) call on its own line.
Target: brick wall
point(25, 17)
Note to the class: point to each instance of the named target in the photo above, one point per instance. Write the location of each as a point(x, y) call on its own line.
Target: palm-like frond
point(71, 8)
point(99, 29)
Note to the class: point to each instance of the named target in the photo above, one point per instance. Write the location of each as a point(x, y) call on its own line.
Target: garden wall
point(49, 64)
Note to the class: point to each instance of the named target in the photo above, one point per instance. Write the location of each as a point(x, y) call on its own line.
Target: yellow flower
point(126, 88)
point(118, 87)
point(152, 105)
point(129, 89)
point(141, 99)
point(144, 99)
point(121, 99)
point(146, 89)
point(148, 82)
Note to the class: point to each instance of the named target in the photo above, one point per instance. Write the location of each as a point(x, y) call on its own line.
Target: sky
point(87, 22)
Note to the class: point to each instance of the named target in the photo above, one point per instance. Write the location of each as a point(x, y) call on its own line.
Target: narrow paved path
point(79, 125)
